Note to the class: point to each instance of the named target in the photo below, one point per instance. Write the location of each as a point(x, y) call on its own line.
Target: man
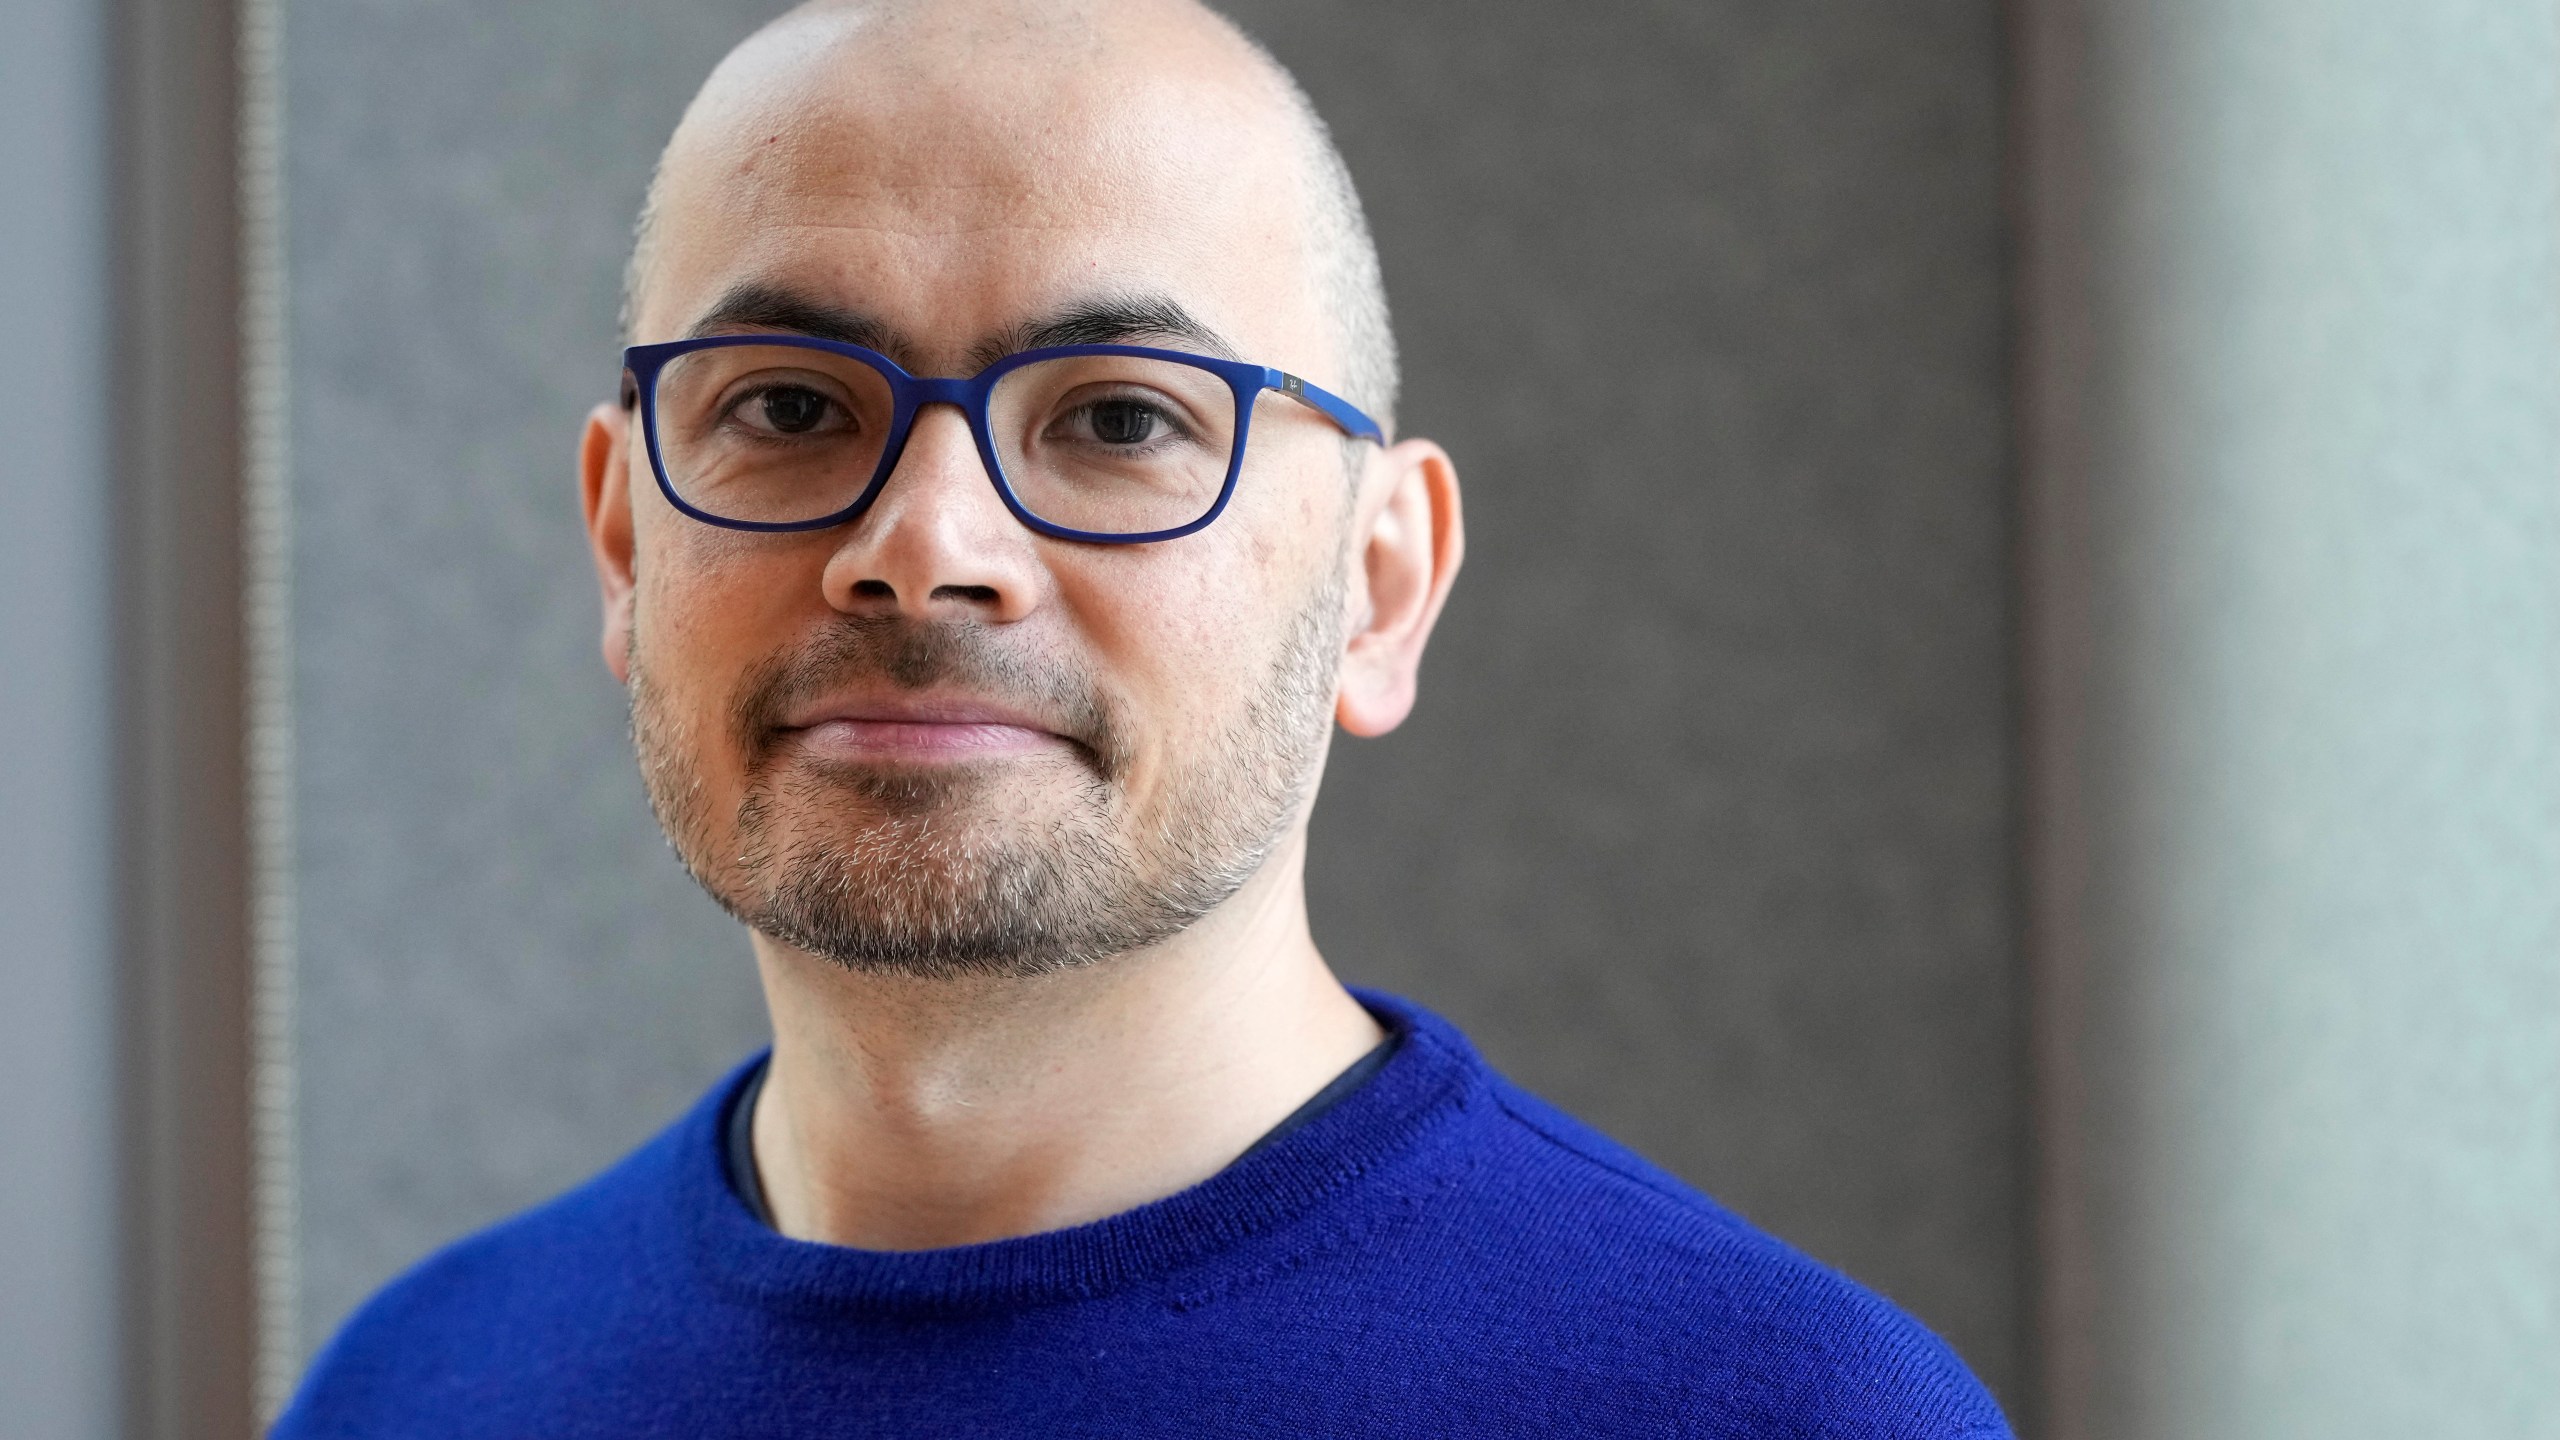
point(994, 707)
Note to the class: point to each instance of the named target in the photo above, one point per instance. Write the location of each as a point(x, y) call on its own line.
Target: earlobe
point(604, 493)
point(1410, 544)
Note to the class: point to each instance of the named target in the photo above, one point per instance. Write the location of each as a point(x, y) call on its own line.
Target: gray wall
point(504, 980)
point(57, 953)
point(1702, 828)
point(2295, 312)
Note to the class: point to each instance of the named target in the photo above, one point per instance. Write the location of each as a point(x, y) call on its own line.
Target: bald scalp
point(1344, 256)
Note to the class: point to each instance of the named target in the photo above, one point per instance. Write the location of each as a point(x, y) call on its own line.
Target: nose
point(938, 542)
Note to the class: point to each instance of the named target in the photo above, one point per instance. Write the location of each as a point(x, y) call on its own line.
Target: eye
point(1120, 421)
point(1123, 422)
point(787, 410)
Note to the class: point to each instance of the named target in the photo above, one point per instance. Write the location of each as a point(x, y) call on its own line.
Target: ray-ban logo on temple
point(1111, 443)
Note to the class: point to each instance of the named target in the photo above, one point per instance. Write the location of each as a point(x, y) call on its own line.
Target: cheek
point(1155, 620)
point(705, 587)
point(711, 604)
point(1188, 631)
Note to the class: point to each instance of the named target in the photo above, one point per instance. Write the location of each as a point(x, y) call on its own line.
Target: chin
point(998, 794)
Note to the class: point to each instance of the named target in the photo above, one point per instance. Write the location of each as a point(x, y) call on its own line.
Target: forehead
point(955, 193)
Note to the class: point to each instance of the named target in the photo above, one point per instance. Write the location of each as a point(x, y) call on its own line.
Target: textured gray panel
point(506, 981)
point(58, 1230)
point(1703, 827)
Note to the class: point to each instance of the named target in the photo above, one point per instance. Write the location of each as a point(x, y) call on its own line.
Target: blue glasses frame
point(911, 393)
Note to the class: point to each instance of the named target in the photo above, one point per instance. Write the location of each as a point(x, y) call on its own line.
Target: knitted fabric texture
point(1437, 1254)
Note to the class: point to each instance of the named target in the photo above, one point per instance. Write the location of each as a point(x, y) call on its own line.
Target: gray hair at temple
point(1345, 253)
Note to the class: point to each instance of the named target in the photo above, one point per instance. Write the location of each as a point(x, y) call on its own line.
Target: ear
point(604, 494)
point(1410, 541)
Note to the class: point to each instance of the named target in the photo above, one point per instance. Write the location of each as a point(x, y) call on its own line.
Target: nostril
point(874, 590)
point(975, 594)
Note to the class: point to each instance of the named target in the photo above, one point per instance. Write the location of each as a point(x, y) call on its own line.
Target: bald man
point(1000, 510)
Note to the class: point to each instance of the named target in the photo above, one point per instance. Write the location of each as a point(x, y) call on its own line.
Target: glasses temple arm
point(1354, 421)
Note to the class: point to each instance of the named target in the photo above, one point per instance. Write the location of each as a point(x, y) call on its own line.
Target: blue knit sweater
point(1438, 1254)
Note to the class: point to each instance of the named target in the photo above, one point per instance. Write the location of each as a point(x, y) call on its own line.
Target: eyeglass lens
point(1106, 444)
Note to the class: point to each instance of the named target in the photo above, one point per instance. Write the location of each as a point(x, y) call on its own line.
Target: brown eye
point(1124, 422)
point(791, 410)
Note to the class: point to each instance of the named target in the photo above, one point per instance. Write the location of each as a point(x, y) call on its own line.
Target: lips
point(914, 728)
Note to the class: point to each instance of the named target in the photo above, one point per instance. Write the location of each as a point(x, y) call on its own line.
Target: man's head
point(929, 739)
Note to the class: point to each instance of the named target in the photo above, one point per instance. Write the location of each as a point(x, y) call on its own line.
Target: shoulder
point(597, 1269)
point(1648, 1283)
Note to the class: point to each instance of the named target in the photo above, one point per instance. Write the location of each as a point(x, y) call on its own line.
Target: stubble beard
point(905, 871)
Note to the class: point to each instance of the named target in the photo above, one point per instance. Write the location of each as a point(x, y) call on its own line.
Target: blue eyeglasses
point(1119, 444)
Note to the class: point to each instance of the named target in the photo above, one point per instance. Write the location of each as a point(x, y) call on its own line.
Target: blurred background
point(2003, 716)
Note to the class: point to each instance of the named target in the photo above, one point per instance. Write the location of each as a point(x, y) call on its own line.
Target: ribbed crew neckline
point(1431, 1080)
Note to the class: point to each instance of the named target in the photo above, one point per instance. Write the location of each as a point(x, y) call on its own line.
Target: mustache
point(908, 654)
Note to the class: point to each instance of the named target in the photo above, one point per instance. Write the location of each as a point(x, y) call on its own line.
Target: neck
point(910, 1114)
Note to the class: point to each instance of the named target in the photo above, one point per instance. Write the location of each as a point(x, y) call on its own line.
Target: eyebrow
point(755, 305)
point(1105, 320)
point(1109, 320)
